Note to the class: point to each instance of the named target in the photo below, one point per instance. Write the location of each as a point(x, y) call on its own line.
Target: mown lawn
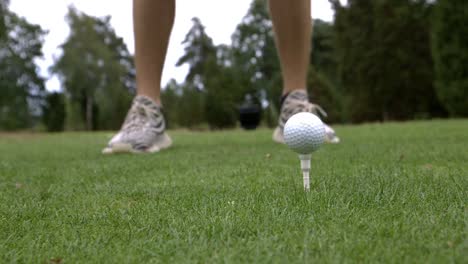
point(392, 193)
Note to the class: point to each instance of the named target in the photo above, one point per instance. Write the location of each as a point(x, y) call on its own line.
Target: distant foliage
point(221, 76)
point(254, 55)
point(53, 112)
point(324, 93)
point(384, 57)
point(323, 82)
point(97, 73)
point(323, 56)
point(209, 85)
point(450, 50)
point(377, 61)
point(199, 49)
point(183, 106)
point(221, 96)
point(21, 87)
point(3, 12)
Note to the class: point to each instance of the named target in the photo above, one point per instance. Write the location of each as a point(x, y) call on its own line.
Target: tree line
point(377, 61)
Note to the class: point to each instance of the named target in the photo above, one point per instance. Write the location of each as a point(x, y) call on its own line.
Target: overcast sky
point(220, 17)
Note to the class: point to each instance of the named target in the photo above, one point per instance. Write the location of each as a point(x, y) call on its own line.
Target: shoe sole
point(117, 148)
point(278, 136)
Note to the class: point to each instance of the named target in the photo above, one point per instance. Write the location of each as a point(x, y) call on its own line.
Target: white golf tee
point(305, 167)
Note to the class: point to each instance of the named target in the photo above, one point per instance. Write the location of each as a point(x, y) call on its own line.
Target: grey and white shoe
point(143, 130)
point(295, 102)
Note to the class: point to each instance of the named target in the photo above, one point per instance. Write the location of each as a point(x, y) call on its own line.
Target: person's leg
point(293, 30)
point(152, 21)
point(144, 127)
point(292, 24)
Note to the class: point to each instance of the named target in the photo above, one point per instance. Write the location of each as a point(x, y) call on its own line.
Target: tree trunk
point(89, 113)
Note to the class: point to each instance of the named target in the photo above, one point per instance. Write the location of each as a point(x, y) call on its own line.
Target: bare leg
point(153, 21)
point(293, 30)
point(143, 130)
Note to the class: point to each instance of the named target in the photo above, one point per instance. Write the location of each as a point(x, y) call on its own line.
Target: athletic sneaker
point(143, 130)
point(295, 102)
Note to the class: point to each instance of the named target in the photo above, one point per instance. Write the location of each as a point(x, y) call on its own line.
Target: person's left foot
point(295, 102)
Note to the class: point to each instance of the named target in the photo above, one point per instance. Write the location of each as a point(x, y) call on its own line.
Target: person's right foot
point(295, 102)
point(143, 130)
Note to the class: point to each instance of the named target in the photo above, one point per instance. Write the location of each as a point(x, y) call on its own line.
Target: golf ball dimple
point(304, 133)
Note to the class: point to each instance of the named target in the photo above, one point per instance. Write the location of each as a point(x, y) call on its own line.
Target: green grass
point(393, 193)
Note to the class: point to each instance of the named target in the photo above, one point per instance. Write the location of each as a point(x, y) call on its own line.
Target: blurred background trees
point(3, 7)
point(377, 61)
point(97, 73)
point(22, 89)
point(450, 52)
point(384, 57)
point(54, 114)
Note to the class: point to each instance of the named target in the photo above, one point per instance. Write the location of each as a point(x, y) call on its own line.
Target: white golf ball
point(304, 133)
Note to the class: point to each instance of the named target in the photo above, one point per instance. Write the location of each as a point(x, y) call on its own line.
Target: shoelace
point(135, 119)
point(306, 106)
